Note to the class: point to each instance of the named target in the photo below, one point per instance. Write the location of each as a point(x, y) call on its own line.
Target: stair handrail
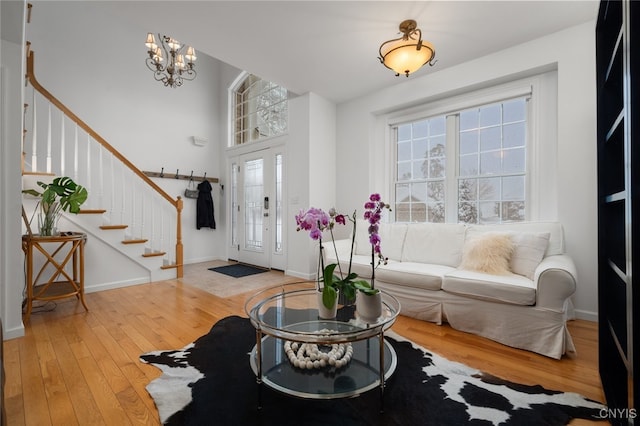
point(177, 203)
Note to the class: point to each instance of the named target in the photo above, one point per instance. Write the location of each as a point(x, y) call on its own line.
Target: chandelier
point(176, 69)
point(408, 53)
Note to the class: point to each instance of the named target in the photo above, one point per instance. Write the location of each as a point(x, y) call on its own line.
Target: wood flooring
point(81, 368)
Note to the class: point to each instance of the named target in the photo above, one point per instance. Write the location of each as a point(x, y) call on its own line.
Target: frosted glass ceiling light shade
point(176, 71)
point(408, 53)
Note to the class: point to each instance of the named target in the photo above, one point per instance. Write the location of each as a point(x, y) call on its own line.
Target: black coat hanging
point(204, 206)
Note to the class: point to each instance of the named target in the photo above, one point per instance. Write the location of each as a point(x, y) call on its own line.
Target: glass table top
point(290, 312)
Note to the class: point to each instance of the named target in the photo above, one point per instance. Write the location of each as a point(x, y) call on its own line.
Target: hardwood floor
point(81, 368)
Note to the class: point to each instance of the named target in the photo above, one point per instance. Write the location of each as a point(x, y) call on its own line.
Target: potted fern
point(62, 194)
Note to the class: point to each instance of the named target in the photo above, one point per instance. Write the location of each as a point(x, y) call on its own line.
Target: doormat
point(238, 270)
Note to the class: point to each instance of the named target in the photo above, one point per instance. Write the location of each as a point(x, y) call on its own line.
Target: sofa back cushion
point(437, 243)
point(556, 234)
point(392, 237)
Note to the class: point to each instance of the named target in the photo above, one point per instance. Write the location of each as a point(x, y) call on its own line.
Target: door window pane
point(253, 199)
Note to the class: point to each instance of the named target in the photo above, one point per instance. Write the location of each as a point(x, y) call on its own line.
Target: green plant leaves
point(71, 195)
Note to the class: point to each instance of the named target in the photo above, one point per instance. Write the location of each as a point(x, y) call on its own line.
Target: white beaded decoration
point(309, 356)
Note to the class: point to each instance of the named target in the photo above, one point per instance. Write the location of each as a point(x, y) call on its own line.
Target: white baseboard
point(115, 284)
point(13, 333)
point(304, 276)
point(586, 315)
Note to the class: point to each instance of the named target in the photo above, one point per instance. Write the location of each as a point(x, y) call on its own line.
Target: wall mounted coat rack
point(177, 175)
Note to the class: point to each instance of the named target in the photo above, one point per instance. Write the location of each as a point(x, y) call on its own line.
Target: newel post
point(179, 247)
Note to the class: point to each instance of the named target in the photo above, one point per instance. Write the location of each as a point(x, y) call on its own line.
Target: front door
point(257, 208)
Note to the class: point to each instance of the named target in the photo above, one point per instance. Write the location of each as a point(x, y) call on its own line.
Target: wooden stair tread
point(141, 241)
point(38, 173)
point(107, 227)
point(155, 253)
point(170, 266)
point(92, 211)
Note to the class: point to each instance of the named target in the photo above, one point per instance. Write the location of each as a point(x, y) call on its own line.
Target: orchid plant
point(373, 214)
point(316, 221)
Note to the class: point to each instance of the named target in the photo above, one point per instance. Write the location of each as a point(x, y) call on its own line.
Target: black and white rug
point(210, 382)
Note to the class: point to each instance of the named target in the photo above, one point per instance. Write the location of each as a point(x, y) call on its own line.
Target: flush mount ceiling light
point(176, 69)
point(408, 53)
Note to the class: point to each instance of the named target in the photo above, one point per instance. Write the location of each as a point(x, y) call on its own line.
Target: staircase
point(126, 212)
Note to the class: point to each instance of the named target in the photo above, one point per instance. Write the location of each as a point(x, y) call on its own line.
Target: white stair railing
point(134, 200)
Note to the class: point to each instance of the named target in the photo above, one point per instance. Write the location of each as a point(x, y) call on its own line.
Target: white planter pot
point(323, 311)
point(368, 307)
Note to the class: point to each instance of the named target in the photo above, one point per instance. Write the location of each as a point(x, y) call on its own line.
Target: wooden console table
point(58, 250)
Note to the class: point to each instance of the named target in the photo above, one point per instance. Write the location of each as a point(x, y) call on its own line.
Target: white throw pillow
point(529, 249)
point(489, 252)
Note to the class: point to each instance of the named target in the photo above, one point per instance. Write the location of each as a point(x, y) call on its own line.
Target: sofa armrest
point(555, 279)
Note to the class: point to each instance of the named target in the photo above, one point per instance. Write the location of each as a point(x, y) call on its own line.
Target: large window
point(467, 165)
point(260, 110)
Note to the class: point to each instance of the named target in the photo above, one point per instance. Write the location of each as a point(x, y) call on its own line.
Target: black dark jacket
point(204, 206)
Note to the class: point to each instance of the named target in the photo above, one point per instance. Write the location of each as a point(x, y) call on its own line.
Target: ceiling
point(331, 47)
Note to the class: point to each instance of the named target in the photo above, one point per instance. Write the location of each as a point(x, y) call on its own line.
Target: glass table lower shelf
point(361, 374)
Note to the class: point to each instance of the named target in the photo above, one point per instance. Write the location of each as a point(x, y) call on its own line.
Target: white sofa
point(426, 273)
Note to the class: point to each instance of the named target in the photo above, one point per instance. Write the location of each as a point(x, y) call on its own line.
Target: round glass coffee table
point(288, 313)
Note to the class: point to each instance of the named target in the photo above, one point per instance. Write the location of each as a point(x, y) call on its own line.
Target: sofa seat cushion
point(409, 274)
point(361, 265)
point(513, 289)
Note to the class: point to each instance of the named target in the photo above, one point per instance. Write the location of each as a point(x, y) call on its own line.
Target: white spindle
point(142, 215)
point(34, 138)
point(88, 174)
point(75, 155)
point(113, 185)
point(49, 142)
point(101, 176)
point(62, 147)
point(123, 195)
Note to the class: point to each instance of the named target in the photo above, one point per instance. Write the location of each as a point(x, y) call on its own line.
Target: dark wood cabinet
point(617, 55)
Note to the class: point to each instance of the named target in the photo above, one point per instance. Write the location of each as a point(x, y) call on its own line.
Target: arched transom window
point(260, 110)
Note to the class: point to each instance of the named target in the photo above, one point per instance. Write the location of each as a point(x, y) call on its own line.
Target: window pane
point(437, 126)
point(419, 148)
point(404, 132)
point(468, 190)
point(436, 167)
point(404, 151)
point(490, 138)
point(513, 211)
point(514, 160)
point(467, 212)
point(513, 188)
point(469, 165)
point(436, 213)
point(489, 212)
point(404, 171)
point(489, 189)
point(437, 146)
point(469, 119)
point(490, 115)
point(420, 129)
point(435, 191)
point(420, 169)
point(490, 163)
point(514, 110)
point(468, 142)
point(514, 135)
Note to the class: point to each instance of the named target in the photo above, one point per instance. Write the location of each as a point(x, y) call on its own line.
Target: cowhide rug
point(210, 382)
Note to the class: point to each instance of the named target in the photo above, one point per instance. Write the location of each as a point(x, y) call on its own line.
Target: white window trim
point(541, 165)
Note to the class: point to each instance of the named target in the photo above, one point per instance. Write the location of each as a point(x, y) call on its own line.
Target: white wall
point(11, 271)
point(362, 154)
point(95, 65)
